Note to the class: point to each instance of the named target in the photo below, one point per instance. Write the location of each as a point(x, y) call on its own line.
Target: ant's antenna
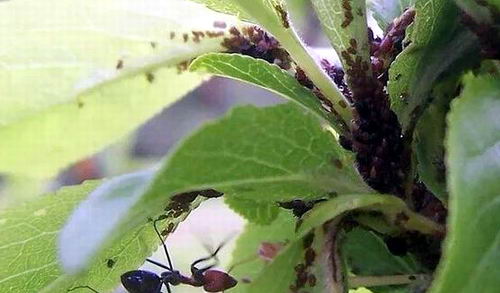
point(83, 287)
point(212, 255)
point(171, 267)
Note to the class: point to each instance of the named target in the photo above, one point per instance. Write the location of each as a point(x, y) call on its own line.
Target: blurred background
point(212, 223)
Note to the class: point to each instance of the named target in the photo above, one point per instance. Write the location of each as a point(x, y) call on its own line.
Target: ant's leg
point(168, 287)
point(83, 287)
point(158, 264)
point(164, 245)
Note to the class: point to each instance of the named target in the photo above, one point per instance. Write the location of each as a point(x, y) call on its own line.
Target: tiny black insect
point(141, 281)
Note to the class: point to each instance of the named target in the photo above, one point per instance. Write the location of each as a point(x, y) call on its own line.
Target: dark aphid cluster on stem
point(254, 42)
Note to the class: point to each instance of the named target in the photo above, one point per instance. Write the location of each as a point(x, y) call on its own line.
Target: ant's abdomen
point(141, 282)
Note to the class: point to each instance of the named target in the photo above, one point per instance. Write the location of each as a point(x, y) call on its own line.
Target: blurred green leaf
point(265, 155)
point(263, 74)
point(227, 6)
point(73, 70)
point(472, 247)
point(482, 12)
point(28, 246)
point(436, 41)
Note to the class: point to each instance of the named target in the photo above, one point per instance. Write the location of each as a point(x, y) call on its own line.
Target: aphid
point(119, 64)
point(150, 77)
point(220, 24)
point(110, 263)
point(299, 207)
point(269, 250)
point(283, 15)
point(141, 281)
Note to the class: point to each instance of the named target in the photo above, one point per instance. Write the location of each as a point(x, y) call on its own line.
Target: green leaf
point(481, 12)
point(437, 41)
point(472, 249)
point(273, 16)
point(28, 246)
point(263, 74)
point(344, 23)
point(254, 211)
point(367, 254)
point(429, 138)
point(310, 263)
point(385, 11)
point(246, 260)
point(70, 75)
point(266, 155)
point(392, 207)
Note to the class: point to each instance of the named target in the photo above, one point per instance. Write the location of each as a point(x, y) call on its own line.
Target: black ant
point(141, 281)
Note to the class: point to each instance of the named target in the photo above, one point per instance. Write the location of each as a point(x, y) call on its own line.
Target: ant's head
point(217, 281)
point(171, 277)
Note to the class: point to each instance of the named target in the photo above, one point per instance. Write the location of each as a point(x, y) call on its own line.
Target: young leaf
point(28, 246)
point(385, 11)
point(265, 75)
point(70, 75)
point(273, 16)
point(436, 41)
point(344, 23)
point(266, 155)
point(472, 249)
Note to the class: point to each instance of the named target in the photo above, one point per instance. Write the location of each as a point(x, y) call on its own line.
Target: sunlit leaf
point(72, 71)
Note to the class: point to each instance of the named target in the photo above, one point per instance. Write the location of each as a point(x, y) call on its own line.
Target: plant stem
point(297, 49)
